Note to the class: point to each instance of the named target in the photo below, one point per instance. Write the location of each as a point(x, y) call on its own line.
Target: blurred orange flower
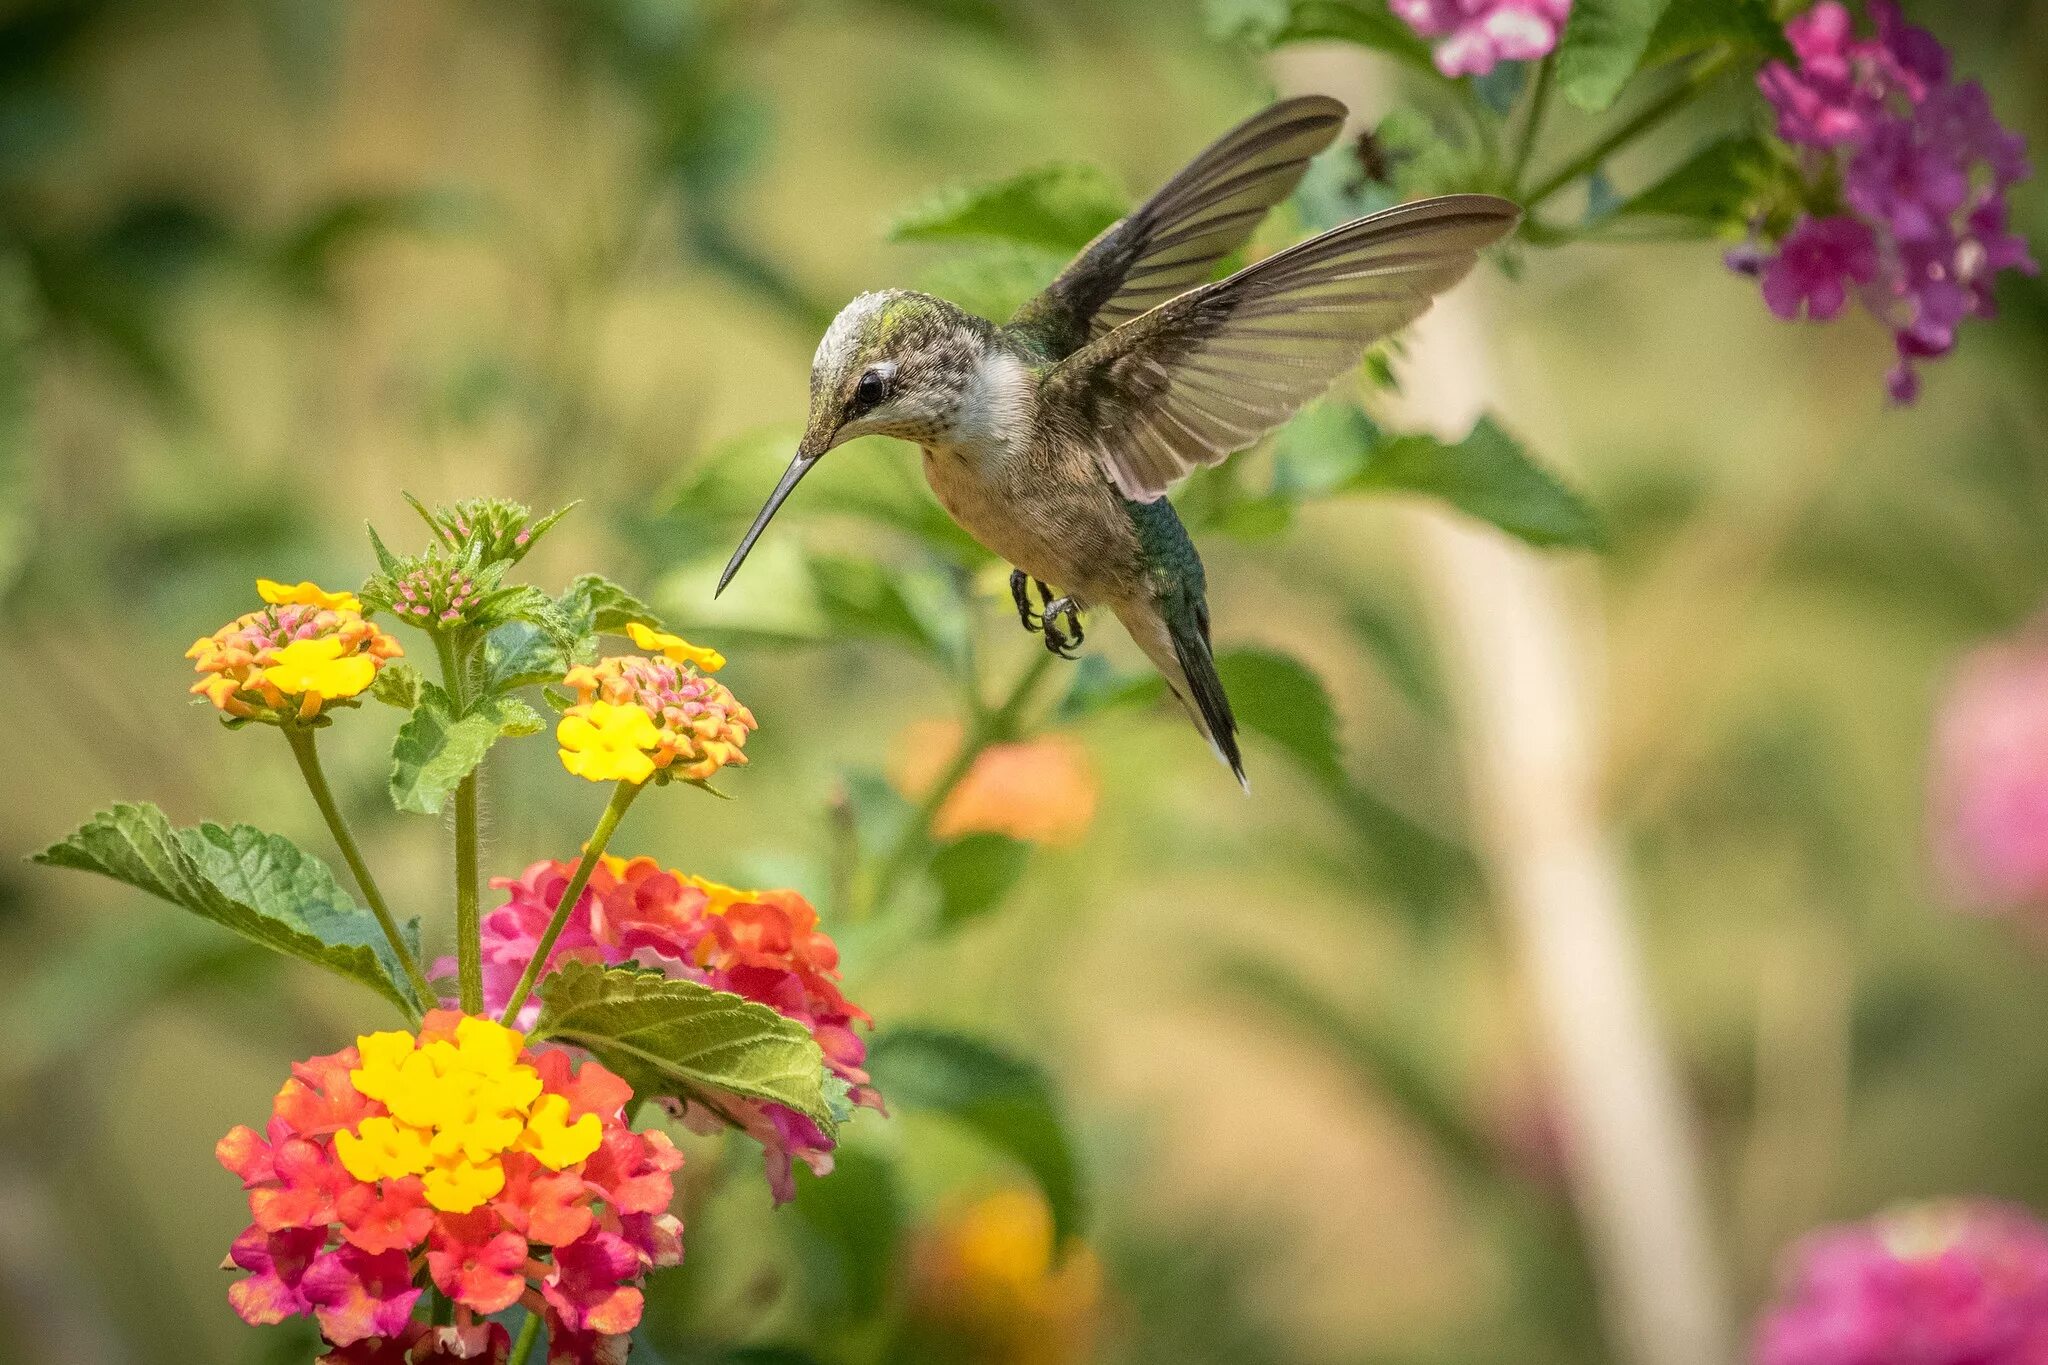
point(1040, 791)
point(989, 1276)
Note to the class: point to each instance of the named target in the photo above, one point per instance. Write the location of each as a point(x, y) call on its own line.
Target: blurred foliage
point(262, 265)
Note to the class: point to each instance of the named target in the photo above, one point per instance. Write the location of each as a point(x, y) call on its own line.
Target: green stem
point(1539, 106)
point(1646, 118)
point(607, 824)
point(307, 752)
point(988, 728)
point(529, 1333)
point(468, 923)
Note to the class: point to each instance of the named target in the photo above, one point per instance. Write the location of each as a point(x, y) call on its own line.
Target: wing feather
point(1171, 242)
point(1207, 372)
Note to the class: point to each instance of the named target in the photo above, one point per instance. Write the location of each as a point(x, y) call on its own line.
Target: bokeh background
point(265, 265)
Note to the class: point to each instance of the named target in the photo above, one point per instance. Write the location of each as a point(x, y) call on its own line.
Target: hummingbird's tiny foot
point(1020, 593)
point(1063, 643)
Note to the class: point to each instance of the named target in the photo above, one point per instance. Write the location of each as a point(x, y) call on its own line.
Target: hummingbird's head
point(894, 363)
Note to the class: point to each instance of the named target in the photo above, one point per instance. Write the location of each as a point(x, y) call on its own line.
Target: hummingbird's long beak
point(798, 467)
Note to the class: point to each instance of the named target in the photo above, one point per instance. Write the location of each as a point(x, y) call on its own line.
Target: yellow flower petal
point(606, 742)
point(316, 668)
point(305, 594)
point(381, 1147)
point(455, 1184)
point(675, 648)
point(553, 1140)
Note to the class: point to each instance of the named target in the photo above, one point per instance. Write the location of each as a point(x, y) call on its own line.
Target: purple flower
point(1479, 34)
point(1936, 1284)
point(1815, 265)
point(1904, 178)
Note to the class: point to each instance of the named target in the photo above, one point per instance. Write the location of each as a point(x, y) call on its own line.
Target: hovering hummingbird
point(1053, 438)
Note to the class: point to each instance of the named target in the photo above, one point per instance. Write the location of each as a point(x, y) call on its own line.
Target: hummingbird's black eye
point(872, 389)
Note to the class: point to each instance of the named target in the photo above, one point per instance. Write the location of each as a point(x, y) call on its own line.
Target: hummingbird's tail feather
point(1176, 639)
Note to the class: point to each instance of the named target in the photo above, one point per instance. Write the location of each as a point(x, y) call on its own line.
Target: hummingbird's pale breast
point(1029, 499)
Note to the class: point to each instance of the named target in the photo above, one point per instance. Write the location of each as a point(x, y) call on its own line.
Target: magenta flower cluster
point(1906, 172)
point(1935, 1284)
point(1476, 35)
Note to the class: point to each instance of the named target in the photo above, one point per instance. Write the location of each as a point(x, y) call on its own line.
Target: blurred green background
point(266, 264)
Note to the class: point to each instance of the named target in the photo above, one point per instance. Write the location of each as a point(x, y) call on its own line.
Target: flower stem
point(529, 1332)
point(468, 924)
point(305, 750)
point(1539, 105)
point(1646, 118)
point(987, 728)
point(607, 824)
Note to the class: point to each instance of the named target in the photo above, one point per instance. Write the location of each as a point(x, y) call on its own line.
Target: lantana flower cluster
point(1990, 776)
point(1937, 1284)
point(1474, 36)
point(305, 650)
point(458, 1156)
point(763, 945)
point(1905, 172)
point(635, 716)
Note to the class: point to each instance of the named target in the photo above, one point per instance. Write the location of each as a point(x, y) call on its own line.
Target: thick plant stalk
point(1516, 646)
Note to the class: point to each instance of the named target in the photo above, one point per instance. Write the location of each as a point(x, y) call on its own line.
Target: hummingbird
point(1053, 438)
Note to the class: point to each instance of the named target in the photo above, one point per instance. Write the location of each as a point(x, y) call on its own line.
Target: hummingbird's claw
point(1062, 643)
point(1020, 593)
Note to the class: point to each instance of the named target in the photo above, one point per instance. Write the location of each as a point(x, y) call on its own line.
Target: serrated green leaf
point(1058, 208)
point(594, 605)
point(1006, 1100)
point(518, 654)
point(1489, 476)
point(975, 874)
point(1713, 188)
point(667, 1037)
point(262, 886)
point(437, 748)
point(1603, 44)
point(398, 684)
point(519, 602)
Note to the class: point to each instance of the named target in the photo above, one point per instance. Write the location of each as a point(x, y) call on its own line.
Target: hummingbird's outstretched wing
point(1211, 371)
point(1171, 242)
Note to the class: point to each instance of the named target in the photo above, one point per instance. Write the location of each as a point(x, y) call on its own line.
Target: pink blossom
point(1990, 776)
point(1479, 34)
point(1904, 176)
point(1942, 1284)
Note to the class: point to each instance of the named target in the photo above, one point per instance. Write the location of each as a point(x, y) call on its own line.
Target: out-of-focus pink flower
point(763, 945)
point(1935, 1284)
point(1815, 266)
point(1904, 175)
point(1476, 35)
point(1990, 776)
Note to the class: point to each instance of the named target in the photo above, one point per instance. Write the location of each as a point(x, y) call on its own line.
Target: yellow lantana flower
point(607, 742)
point(305, 594)
point(317, 670)
point(675, 648)
point(457, 1106)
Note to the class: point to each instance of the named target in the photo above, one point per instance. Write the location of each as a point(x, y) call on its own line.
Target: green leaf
point(975, 874)
point(1713, 188)
point(1279, 698)
point(992, 280)
point(398, 684)
point(594, 605)
point(1269, 23)
point(1006, 1100)
point(436, 748)
point(854, 1218)
point(262, 886)
point(863, 598)
point(518, 654)
point(1692, 25)
point(1604, 42)
point(683, 1039)
point(1489, 476)
point(1059, 208)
